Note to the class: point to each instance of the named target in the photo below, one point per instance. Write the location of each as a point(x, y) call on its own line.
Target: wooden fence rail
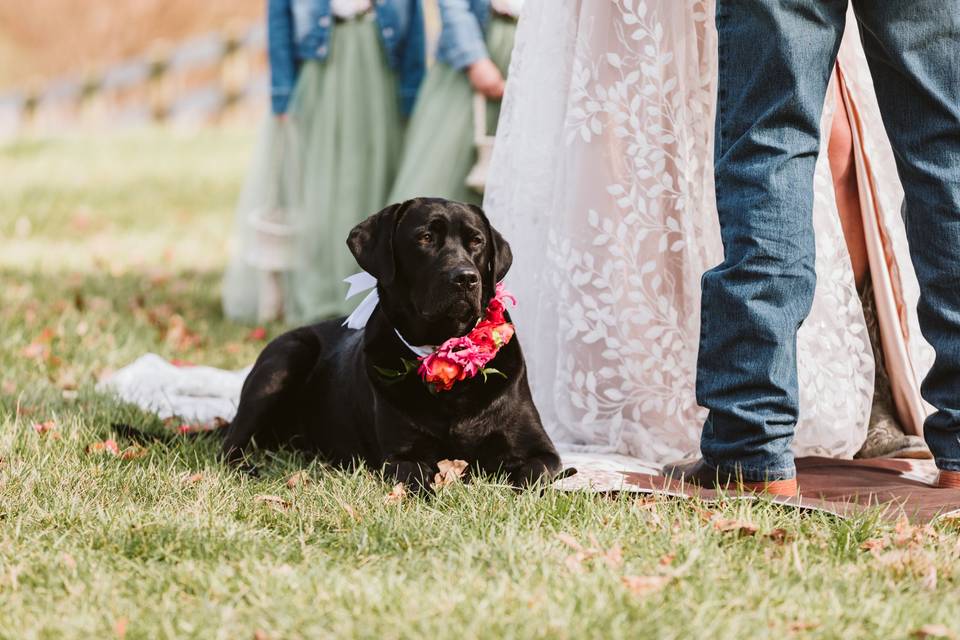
point(203, 80)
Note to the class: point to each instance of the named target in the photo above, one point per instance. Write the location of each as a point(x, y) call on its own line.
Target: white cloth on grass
point(193, 394)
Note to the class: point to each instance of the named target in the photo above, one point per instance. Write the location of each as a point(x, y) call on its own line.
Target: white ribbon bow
point(363, 281)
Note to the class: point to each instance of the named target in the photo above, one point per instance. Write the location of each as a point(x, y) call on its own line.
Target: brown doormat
point(842, 487)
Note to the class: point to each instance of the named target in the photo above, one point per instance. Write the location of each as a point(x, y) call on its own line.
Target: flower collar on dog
point(456, 359)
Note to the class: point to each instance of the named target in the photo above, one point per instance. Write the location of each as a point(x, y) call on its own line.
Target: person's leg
point(846, 191)
point(775, 60)
point(913, 49)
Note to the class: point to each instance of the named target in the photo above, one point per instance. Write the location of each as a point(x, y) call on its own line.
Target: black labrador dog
point(321, 389)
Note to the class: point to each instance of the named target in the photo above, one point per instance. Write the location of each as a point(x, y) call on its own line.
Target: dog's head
point(437, 263)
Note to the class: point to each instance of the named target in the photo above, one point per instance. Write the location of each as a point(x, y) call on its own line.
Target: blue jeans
point(776, 57)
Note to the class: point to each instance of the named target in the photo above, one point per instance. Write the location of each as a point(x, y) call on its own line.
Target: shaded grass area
point(170, 544)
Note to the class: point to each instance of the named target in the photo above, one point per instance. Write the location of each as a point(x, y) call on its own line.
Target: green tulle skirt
point(439, 151)
point(315, 175)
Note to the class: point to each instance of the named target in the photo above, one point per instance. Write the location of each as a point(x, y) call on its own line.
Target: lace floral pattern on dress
point(602, 178)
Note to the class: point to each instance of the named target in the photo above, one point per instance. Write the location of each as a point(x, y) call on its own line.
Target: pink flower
point(466, 356)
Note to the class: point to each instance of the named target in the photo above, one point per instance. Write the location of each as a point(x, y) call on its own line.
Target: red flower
point(464, 357)
point(440, 371)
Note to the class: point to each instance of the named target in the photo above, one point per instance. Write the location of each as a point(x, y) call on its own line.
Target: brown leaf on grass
point(570, 541)
point(613, 557)
point(780, 536)
point(35, 351)
point(191, 478)
point(133, 452)
point(643, 585)
point(706, 514)
point(260, 634)
point(179, 336)
point(650, 508)
point(874, 545)
point(741, 527)
point(396, 495)
point(120, 627)
point(66, 380)
point(39, 348)
point(274, 502)
point(934, 631)
point(297, 479)
point(46, 428)
point(184, 428)
point(450, 471)
point(666, 559)
point(799, 626)
point(107, 446)
point(350, 510)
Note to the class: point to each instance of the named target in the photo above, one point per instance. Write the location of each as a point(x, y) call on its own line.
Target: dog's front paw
point(417, 476)
point(536, 471)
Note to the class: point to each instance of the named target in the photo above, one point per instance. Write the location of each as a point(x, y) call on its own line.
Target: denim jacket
point(461, 38)
point(299, 30)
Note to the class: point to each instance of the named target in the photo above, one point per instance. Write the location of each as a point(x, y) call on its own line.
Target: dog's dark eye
point(425, 239)
point(476, 241)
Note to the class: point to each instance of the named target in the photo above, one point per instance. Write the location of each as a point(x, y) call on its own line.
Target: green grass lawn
point(112, 247)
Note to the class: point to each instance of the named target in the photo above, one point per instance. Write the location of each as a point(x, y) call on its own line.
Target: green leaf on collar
point(393, 375)
point(490, 371)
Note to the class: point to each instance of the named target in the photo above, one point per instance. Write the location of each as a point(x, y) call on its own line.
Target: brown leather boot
point(948, 479)
point(701, 474)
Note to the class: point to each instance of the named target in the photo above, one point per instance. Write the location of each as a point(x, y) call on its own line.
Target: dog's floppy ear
point(371, 243)
point(501, 257)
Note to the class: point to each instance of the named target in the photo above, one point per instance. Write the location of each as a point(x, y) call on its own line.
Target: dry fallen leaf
point(613, 556)
point(570, 541)
point(260, 634)
point(179, 336)
point(44, 428)
point(274, 502)
point(642, 585)
point(780, 536)
point(667, 559)
point(450, 471)
point(133, 452)
point(350, 510)
point(120, 627)
point(299, 478)
point(192, 478)
point(107, 446)
point(742, 527)
point(396, 495)
point(874, 545)
point(799, 626)
point(934, 631)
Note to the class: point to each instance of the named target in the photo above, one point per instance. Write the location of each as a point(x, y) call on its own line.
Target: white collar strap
point(421, 351)
point(363, 281)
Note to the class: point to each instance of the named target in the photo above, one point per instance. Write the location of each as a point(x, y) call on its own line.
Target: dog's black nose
point(466, 279)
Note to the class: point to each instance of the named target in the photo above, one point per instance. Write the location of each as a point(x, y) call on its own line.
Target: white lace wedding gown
point(602, 180)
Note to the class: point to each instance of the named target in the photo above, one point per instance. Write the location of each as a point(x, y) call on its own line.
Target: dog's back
point(310, 385)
